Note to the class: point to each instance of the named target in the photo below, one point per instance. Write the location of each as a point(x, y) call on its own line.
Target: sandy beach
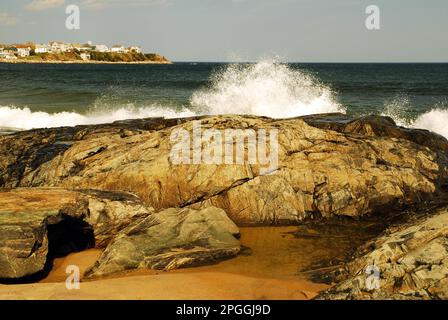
point(268, 270)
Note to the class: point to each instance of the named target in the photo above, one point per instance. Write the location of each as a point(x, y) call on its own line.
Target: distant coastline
point(75, 53)
point(80, 62)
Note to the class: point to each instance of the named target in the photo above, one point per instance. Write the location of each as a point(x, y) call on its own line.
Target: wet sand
point(268, 268)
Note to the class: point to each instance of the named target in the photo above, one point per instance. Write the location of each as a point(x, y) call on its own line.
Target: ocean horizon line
point(317, 62)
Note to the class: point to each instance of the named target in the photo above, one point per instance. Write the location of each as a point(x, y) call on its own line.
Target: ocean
point(52, 95)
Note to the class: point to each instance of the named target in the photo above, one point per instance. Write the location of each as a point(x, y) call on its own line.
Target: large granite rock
point(412, 261)
point(98, 185)
point(329, 170)
point(171, 239)
point(377, 126)
point(38, 220)
point(23, 152)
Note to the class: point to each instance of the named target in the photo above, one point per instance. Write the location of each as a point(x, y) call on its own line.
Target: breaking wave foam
point(268, 89)
point(435, 120)
point(24, 118)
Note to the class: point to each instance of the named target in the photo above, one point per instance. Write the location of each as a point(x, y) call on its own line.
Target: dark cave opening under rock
point(67, 236)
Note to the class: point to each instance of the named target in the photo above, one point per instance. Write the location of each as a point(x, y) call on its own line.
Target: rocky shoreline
point(113, 187)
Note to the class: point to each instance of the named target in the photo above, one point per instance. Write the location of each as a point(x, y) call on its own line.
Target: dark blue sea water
point(36, 95)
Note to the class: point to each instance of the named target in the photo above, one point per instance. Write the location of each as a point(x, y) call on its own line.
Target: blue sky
point(242, 30)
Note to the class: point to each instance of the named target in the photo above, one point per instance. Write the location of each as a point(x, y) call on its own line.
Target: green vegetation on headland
point(127, 57)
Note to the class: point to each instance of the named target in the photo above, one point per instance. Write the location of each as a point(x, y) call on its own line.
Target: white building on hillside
point(135, 49)
point(8, 55)
point(23, 51)
point(85, 56)
point(86, 47)
point(59, 47)
point(101, 48)
point(42, 48)
point(118, 49)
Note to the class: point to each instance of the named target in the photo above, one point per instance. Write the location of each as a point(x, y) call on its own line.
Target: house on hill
point(85, 56)
point(118, 48)
point(23, 50)
point(8, 54)
point(135, 49)
point(101, 48)
point(58, 47)
point(42, 48)
point(87, 47)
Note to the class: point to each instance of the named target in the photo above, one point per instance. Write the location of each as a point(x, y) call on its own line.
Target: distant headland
point(60, 52)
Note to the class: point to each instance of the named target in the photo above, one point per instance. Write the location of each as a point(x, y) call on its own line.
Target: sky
point(242, 30)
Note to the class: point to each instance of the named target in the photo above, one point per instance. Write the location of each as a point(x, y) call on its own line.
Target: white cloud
point(38, 5)
point(113, 3)
point(7, 20)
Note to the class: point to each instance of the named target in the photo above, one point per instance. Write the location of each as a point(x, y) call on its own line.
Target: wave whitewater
point(267, 88)
point(25, 119)
point(434, 120)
